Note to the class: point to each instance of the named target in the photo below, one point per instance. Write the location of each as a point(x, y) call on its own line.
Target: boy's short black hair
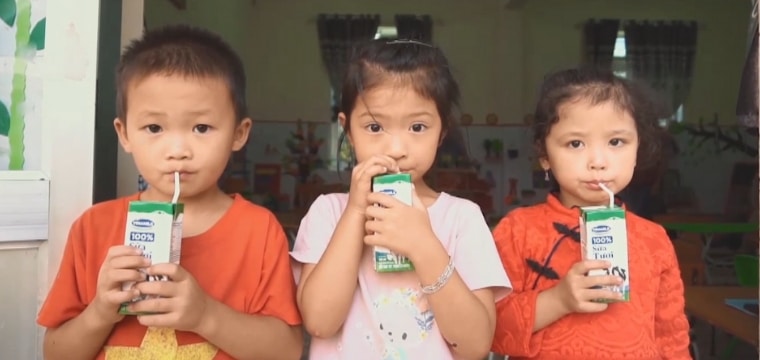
point(181, 50)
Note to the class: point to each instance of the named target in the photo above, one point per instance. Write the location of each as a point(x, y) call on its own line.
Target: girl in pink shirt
point(398, 99)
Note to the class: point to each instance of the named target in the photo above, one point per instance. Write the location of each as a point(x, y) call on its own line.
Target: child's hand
point(182, 304)
point(120, 266)
point(576, 289)
point(361, 180)
point(397, 226)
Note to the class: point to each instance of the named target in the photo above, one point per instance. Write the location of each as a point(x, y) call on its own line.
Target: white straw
point(610, 193)
point(176, 187)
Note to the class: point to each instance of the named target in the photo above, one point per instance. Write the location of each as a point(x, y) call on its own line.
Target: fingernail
point(385, 169)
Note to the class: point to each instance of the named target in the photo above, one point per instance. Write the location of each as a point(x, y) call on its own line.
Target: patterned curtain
point(661, 54)
point(599, 37)
point(337, 36)
point(414, 27)
point(747, 103)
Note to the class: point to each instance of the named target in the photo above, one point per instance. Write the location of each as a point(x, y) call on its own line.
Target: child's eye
point(374, 127)
point(575, 144)
point(153, 128)
point(418, 127)
point(617, 142)
point(202, 128)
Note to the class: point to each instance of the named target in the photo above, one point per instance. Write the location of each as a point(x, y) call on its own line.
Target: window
point(620, 68)
point(386, 32)
point(619, 65)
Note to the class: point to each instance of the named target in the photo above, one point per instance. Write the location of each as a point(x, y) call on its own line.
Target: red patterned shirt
point(652, 325)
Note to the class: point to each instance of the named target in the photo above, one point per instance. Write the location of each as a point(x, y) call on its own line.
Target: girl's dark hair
point(411, 62)
point(597, 86)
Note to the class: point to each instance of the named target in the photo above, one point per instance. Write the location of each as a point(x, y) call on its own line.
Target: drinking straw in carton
point(604, 236)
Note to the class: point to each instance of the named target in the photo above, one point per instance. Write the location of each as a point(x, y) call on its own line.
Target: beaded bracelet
point(442, 280)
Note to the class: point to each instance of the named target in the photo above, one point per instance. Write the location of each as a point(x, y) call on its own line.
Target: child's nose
point(397, 148)
point(597, 160)
point(178, 149)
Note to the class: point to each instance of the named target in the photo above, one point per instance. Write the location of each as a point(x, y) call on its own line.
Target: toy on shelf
point(303, 152)
point(511, 198)
point(494, 149)
point(492, 119)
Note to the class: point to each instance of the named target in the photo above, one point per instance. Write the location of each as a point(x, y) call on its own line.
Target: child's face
point(184, 124)
point(395, 121)
point(591, 144)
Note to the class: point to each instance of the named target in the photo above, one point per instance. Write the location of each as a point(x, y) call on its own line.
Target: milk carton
point(400, 187)
point(604, 237)
point(156, 229)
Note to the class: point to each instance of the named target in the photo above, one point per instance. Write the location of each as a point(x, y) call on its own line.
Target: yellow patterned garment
point(160, 344)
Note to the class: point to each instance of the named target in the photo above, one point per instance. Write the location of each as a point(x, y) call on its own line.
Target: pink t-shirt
point(390, 317)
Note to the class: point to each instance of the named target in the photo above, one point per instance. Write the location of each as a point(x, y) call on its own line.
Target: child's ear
point(242, 130)
point(442, 137)
point(544, 161)
point(121, 132)
point(343, 122)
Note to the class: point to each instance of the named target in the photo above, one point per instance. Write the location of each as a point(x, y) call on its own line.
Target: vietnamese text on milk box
point(156, 229)
point(604, 236)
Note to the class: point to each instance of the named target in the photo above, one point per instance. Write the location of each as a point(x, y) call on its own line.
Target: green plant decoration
point(29, 40)
point(8, 12)
point(37, 37)
point(5, 120)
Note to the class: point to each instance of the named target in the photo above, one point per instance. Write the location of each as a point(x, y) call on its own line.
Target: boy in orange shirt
point(181, 108)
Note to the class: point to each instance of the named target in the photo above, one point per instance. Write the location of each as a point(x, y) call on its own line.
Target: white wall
point(286, 81)
point(68, 118)
point(498, 55)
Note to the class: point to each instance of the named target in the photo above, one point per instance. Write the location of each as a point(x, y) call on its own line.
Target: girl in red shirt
point(590, 128)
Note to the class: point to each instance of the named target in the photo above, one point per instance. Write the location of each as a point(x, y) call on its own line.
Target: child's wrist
point(557, 302)
point(96, 316)
point(425, 248)
point(207, 324)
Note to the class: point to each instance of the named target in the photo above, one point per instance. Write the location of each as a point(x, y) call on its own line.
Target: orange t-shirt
point(241, 261)
point(539, 244)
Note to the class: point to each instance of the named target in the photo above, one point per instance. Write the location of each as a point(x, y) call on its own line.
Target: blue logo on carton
point(390, 192)
point(600, 229)
point(601, 240)
point(143, 223)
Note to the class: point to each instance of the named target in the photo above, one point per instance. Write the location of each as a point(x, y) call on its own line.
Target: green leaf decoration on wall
point(37, 37)
point(5, 120)
point(18, 85)
point(8, 11)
